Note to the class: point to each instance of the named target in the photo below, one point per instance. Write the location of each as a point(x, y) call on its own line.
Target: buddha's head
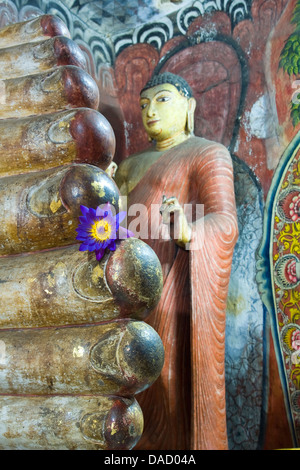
point(167, 106)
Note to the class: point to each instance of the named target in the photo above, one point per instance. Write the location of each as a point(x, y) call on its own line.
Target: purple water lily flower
point(99, 229)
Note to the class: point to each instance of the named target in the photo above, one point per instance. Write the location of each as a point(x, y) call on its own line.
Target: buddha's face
point(164, 111)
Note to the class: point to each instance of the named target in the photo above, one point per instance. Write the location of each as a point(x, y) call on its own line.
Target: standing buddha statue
point(185, 408)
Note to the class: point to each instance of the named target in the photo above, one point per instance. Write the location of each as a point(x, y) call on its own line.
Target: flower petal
point(83, 247)
point(120, 216)
point(100, 212)
point(99, 254)
point(92, 212)
point(124, 233)
point(84, 209)
point(112, 245)
point(91, 244)
point(90, 220)
point(99, 246)
point(103, 210)
point(130, 234)
point(82, 219)
point(83, 228)
point(80, 238)
point(105, 243)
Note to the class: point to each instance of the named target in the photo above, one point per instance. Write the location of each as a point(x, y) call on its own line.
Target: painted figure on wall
point(186, 406)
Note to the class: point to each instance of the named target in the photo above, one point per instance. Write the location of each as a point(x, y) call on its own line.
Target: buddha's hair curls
point(167, 77)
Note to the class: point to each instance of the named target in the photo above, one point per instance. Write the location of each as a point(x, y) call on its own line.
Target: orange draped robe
point(185, 407)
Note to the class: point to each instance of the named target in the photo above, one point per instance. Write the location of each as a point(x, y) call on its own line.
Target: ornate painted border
point(278, 249)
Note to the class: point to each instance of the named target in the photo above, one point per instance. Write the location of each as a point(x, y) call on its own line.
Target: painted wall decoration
point(246, 323)
point(278, 260)
point(242, 60)
point(279, 276)
point(290, 60)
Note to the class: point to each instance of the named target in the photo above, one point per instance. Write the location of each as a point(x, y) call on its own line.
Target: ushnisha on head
point(167, 106)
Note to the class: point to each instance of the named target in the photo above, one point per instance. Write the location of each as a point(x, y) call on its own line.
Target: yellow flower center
point(101, 230)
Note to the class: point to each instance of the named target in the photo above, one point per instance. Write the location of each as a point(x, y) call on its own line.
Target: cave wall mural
point(242, 60)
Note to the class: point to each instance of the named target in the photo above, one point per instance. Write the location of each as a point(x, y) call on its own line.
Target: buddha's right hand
point(173, 215)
